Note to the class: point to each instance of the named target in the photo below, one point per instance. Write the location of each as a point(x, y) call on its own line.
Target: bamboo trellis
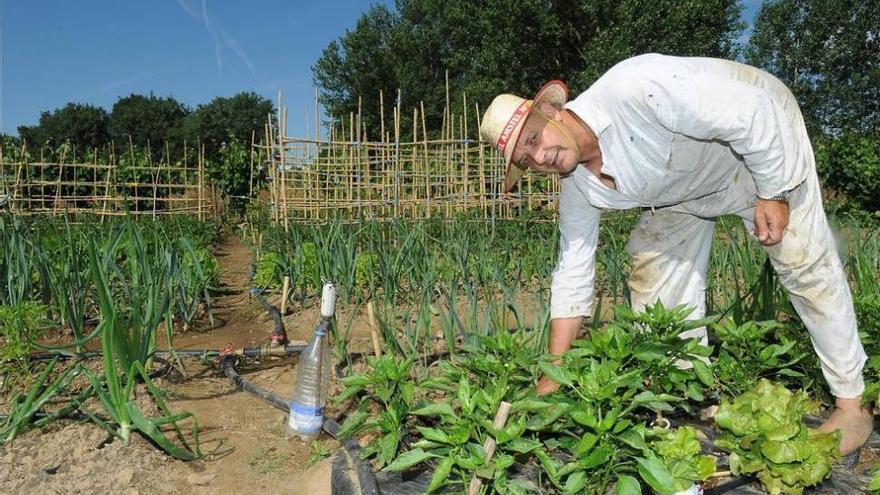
point(346, 176)
point(106, 189)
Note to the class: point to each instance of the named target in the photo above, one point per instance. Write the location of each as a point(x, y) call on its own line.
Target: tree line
point(161, 125)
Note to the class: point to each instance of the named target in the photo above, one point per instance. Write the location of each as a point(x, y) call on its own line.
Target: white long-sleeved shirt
point(671, 130)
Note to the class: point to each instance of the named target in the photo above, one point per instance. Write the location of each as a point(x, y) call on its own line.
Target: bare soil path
point(245, 439)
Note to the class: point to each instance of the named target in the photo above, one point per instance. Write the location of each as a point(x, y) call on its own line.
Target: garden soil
point(245, 439)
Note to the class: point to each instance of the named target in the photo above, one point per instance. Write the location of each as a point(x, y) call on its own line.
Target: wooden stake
point(374, 332)
point(490, 444)
point(285, 289)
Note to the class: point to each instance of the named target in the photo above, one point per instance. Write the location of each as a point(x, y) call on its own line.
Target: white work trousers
point(670, 252)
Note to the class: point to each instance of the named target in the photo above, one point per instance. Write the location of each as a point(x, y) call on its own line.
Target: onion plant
point(25, 407)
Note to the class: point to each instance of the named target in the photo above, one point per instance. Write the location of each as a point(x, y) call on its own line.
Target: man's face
point(545, 144)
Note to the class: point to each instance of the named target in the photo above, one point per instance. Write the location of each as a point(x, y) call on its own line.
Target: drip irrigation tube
point(227, 365)
point(265, 350)
point(279, 334)
point(727, 486)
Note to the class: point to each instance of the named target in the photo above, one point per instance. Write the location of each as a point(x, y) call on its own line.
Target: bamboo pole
point(427, 164)
point(415, 167)
point(374, 333)
point(489, 445)
point(154, 175)
point(201, 179)
point(397, 164)
point(285, 291)
point(251, 178)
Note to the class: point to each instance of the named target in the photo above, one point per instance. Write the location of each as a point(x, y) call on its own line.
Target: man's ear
point(550, 111)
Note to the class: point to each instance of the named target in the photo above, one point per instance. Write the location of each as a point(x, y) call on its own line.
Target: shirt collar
point(593, 115)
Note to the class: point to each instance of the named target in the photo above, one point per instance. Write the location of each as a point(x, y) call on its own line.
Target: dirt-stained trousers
point(670, 252)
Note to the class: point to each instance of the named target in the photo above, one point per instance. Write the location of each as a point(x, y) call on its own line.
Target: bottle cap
point(328, 300)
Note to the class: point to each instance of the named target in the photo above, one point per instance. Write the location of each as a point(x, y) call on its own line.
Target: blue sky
point(94, 51)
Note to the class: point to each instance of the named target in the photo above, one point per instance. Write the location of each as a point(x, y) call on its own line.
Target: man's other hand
point(546, 386)
point(771, 218)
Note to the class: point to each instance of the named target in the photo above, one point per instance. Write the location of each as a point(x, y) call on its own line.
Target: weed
point(319, 452)
point(268, 460)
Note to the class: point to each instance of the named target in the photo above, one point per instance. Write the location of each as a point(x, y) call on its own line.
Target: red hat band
point(518, 114)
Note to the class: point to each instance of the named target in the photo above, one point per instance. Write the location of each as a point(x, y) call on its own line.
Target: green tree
point(224, 118)
point(828, 53)
point(84, 126)
point(231, 172)
point(490, 47)
point(148, 121)
point(370, 48)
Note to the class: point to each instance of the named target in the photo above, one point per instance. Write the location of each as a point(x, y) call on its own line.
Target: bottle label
point(305, 411)
point(305, 419)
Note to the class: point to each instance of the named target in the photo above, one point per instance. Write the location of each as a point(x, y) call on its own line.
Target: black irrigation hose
point(279, 334)
point(730, 485)
point(366, 478)
point(227, 365)
point(261, 351)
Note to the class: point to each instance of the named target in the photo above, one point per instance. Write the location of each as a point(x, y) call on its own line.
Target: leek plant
point(25, 407)
point(21, 266)
point(128, 337)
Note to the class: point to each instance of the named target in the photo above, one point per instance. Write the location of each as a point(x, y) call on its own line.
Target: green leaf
point(358, 380)
point(575, 483)
point(584, 418)
point(388, 446)
point(555, 373)
point(409, 459)
point(634, 439)
point(426, 444)
point(530, 405)
point(433, 434)
point(549, 465)
point(651, 351)
point(437, 409)
point(352, 423)
point(464, 396)
point(656, 475)
point(522, 445)
point(585, 444)
point(407, 390)
point(703, 372)
point(627, 485)
point(786, 451)
point(348, 393)
point(599, 456)
point(441, 474)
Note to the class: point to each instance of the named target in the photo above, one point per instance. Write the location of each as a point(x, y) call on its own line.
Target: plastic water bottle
point(313, 377)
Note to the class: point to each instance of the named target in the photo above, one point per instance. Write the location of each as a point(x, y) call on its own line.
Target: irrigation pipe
point(265, 350)
point(227, 366)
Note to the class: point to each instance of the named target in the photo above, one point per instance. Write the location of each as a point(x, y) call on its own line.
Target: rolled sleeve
point(761, 124)
point(571, 291)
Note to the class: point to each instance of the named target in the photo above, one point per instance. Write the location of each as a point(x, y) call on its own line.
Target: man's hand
point(546, 386)
point(562, 332)
point(771, 218)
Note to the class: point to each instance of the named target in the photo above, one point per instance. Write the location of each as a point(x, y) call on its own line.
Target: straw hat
point(504, 120)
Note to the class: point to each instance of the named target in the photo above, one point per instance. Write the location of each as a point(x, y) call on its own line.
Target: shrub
point(851, 164)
